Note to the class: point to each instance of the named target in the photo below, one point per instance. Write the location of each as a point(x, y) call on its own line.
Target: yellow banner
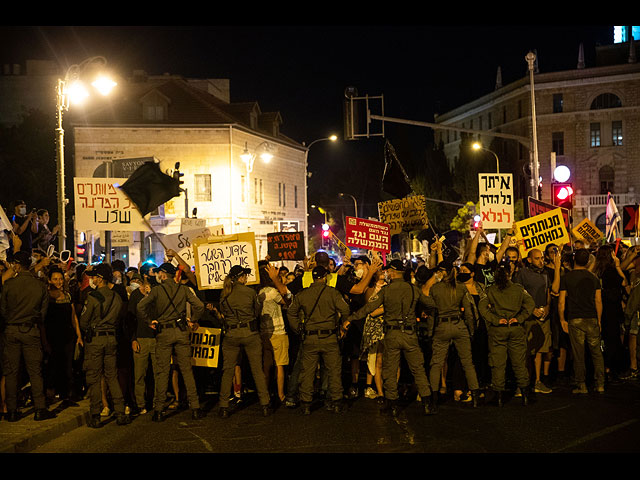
point(587, 231)
point(539, 231)
point(205, 347)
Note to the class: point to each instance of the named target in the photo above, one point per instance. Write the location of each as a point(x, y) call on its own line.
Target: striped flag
point(613, 220)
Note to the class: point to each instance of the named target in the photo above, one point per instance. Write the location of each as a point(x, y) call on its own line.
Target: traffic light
point(326, 233)
point(177, 174)
point(562, 195)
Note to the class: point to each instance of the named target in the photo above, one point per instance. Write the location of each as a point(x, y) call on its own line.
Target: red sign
point(368, 234)
point(536, 207)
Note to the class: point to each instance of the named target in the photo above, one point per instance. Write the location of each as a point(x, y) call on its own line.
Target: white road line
point(594, 435)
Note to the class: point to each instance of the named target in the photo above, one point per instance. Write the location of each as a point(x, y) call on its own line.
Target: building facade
point(588, 118)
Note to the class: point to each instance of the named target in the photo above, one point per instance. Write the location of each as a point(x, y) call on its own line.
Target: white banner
point(496, 200)
point(182, 242)
point(5, 223)
point(99, 205)
point(187, 224)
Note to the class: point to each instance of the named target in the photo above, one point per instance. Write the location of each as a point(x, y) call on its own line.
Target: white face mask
point(134, 286)
point(92, 283)
point(491, 256)
point(22, 210)
point(359, 273)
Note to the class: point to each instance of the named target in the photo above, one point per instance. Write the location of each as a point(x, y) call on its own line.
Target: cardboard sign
point(405, 214)
point(496, 200)
point(5, 224)
point(588, 231)
point(99, 205)
point(187, 224)
point(536, 207)
point(538, 231)
point(368, 234)
point(205, 347)
point(214, 257)
point(285, 245)
point(182, 242)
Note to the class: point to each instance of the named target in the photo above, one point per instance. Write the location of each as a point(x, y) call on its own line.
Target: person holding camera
point(172, 334)
point(25, 225)
point(102, 312)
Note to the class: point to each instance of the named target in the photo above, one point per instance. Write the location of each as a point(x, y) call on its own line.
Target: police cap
point(102, 270)
point(237, 271)
point(319, 272)
point(396, 265)
point(167, 268)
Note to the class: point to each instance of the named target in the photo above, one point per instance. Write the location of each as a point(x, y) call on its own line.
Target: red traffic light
point(326, 233)
point(564, 192)
point(562, 195)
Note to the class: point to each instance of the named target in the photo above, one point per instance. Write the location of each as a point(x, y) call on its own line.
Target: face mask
point(359, 273)
point(491, 256)
point(134, 286)
point(22, 210)
point(463, 277)
point(33, 261)
point(92, 284)
point(117, 281)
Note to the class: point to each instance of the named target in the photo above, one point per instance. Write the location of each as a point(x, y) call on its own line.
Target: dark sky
point(302, 71)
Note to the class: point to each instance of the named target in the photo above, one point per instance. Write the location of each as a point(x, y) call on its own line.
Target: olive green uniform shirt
point(161, 298)
point(24, 299)
point(330, 307)
point(102, 310)
point(512, 302)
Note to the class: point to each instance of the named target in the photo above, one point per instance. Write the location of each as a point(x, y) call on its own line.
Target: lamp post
point(70, 90)
point(478, 146)
point(535, 180)
point(355, 203)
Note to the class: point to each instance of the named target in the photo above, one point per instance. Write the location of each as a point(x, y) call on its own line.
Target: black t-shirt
point(581, 286)
point(26, 236)
point(484, 272)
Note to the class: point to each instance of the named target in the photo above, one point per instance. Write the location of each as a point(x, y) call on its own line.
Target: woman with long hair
point(241, 309)
point(453, 322)
point(505, 308)
point(607, 268)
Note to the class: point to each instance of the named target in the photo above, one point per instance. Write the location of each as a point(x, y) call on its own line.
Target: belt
point(105, 332)
point(409, 328)
point(321, 332)
point(24, 324)
point(451, 318)
point(240, 325)
point(168, 325)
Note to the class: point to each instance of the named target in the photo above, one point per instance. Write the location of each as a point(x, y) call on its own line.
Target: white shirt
point(271, 320)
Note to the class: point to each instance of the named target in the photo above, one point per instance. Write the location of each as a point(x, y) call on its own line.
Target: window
point(504, 114)
point(203, 187)
point(279, 194)
point(616, 132)
point(489, 120)
point(479, 123)
point(284, 195)
point(261, 193)
point(595, 134)
point(519, 108)
point(557, 143)
point(255, 190)
point(154, 112)
point(607, 176)
point(295, 196)
point(606, 100)
point(557, 103)
point(243, 188)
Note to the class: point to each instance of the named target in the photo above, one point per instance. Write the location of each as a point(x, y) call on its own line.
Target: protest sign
point(187, 224)
point(182, 242)
point(588, 231)
point(630, 220)
point(285, 245)
point(536, 207)
point(538, 231)
point(100, 205)
point(214, 257)
point(205, 347)
point(404, 214)
point(496, 200)
point(5, 224)
point(368, 234)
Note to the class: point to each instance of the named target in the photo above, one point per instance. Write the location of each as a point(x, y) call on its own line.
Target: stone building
point(589, 117)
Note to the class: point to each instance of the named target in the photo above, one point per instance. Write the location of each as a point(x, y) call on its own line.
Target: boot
point(94, 422)
point(475, 398)
point(13, 416)
point(196, 414)
point(525, 396)
point(123, 419)
point(266, 410)
point(337, 407)
point(428, 406)
point(306, 408)
point(390, 407)
point(157, 416)
point(433, 402)
point(500, 399)
point(223, 412)
point(43, 414)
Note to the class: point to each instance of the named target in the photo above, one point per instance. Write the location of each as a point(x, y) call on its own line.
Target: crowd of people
point(477, 329)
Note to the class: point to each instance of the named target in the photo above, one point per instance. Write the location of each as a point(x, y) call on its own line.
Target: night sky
point(302, 71)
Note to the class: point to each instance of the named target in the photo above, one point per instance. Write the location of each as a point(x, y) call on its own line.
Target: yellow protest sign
point(588, 231)
point(539, 231)
point(404, 214)
point(205, 347)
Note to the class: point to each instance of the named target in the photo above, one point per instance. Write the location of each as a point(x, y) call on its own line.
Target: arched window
point(606, 100)
point(606, 175)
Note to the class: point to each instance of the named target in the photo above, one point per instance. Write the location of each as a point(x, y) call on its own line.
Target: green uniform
point(101, 316)
point(452, 325)
point(241, 310)
point(167, 303)
point(23, 305)
point(399, 300)
point(511, 340)
point(317, 311)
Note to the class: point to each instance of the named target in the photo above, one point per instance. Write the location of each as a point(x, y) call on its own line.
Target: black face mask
point(463, 277)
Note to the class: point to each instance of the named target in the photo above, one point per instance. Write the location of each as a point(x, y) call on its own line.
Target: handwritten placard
point(405, 214)
point(285, 245)
point(368, 234)
point(182, 243)
point(496, 199)
point(539, 231)
point(588, 231)
point(214, 257)
point(99, 205)
point(187, 224)
point(205, 347)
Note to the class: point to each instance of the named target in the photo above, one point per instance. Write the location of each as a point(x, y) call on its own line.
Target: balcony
point(594, 207)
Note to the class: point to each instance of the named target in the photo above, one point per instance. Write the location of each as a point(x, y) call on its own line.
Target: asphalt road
point(555, 423)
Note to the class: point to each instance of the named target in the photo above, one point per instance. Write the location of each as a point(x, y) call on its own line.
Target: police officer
point(24, 305)
point(399, 299)
point(101, 315)
point(505, 309)
point(164, 309)
point(453, 322)
point(316, 312)
point(241, 308)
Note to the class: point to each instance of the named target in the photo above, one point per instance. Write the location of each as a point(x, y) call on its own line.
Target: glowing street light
point(478, 146)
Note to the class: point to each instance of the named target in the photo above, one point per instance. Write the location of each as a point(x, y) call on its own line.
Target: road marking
point(206, 444)
point(594, 435)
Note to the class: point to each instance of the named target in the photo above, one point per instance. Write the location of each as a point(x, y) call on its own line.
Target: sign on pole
point(538, 231)
point(214, 257)
point(182, 242)
point(496, 200)
point(205, 347)
point(368, 234)
point(99, 205)
point(285, 245)
point(536, 207)
point(405, 214)
point(588, 231)
point(121, 239)
point(187, 224)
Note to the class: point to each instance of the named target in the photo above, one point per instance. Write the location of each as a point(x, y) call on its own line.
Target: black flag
point(149, 188)
point(394, 179)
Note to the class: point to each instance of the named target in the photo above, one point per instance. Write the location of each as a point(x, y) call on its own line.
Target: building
point(589, 117)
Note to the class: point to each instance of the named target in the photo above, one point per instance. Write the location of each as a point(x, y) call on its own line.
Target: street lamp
point(535, 180)
point(72, 90)
point(355, 203)
point(478, 146)
point(321, 210)
point(248, 158)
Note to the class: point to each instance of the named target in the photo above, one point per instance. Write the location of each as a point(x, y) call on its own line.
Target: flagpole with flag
point(612, 216)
